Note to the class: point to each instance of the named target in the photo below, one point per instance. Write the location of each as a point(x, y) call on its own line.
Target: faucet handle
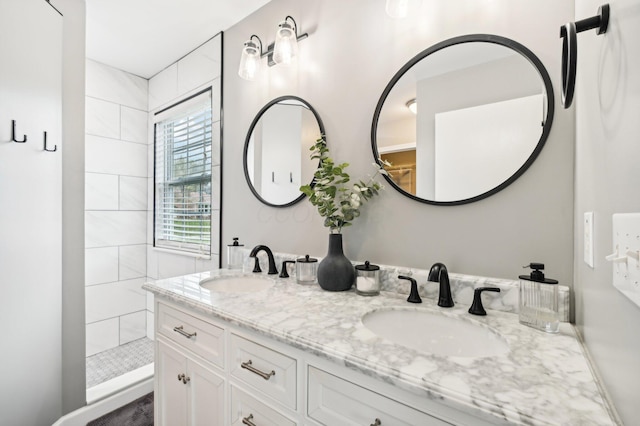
point(476, 307)
point(284, 273)
point(414, 297)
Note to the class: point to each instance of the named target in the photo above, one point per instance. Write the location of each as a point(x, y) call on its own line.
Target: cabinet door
point(206, 396)
point(171, 395)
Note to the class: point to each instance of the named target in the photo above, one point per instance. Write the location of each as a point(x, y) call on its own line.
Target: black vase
point(335, 271)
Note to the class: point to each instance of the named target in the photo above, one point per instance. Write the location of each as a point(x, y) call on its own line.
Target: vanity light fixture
point(250, 59)
point(397, 8)
point(412, 105)
point(282, 51)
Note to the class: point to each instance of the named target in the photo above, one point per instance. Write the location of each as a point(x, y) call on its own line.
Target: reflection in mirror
point(276, 151)
point(463, 119)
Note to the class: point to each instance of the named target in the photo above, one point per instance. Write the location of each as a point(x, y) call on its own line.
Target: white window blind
point(182, 179)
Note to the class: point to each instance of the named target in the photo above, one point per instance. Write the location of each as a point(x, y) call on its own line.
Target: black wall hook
point(13, 133)
point(568, 32)
point(55, 147)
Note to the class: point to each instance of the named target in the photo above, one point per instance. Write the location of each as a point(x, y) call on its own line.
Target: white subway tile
point(103, 229)
point(111, 84)
point(133, 327)
point(200, 66)
point(152, 262)
point(112, 156)
point(150, 302)
point(133, 261)
point(101, 191)
point(101, 336)
point(150, 326)
point(111, 300)
point(173, 265)
point(134, 124)
point(133, 193)
point(163, 87)
point(101, 265)
point(102, 118)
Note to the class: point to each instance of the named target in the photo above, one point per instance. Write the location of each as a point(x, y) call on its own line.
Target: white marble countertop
point(545, 379)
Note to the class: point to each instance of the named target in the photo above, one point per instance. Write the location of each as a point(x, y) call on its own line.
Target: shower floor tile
point(115, 362)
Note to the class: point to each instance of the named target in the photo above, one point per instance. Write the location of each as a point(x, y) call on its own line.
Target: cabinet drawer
point(247, 410)
point(268, 371)
point(334, 401)
point(200, 337)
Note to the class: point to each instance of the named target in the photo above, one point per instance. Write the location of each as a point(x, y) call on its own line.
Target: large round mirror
point(463, 119)
point(276, 150)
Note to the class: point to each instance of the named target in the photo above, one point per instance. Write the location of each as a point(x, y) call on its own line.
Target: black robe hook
point(568, 33)
point(55, 147)
point(13, 133)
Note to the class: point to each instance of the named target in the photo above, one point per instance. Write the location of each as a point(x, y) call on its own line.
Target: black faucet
point(438, 273)
point(414, 296)
point(476, 307)
point(272, 262)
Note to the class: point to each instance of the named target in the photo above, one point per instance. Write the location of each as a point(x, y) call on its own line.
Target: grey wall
point(607, 181)
point(352, 52)
point(73, 337)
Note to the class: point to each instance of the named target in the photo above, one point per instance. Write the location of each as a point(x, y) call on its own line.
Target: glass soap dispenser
point(368, 279)
point(539, 300)
point(234, 255)
point(306, 270)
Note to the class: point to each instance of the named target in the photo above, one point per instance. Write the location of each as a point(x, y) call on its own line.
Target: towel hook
point(55, 147)
point(13, 133)
point(568, 33)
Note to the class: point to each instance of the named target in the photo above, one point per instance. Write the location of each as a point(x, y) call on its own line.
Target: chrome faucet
point(272, 262)
point(438, 273)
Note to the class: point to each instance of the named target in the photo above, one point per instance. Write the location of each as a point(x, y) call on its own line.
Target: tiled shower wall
point(119, 191)
point(200, 69)
point(115, 206)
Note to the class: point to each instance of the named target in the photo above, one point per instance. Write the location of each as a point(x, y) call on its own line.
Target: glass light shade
point(397, 8)
point(413, 106)
point(286, 44)
point(249, 61)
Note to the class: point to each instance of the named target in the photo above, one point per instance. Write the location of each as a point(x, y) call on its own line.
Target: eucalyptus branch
point(334, 200)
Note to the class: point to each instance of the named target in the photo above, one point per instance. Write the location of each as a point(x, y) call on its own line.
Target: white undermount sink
point(237, 284)
point(435, 334)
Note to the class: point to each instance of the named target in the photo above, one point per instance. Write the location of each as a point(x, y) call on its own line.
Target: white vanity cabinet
point(189, 362)
point(209, 371)
point(187, 392)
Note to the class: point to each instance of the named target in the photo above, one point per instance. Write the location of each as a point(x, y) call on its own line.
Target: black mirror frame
point(488, 38)
point(248, 137)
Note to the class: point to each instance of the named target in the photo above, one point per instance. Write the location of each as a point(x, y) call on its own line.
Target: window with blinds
point(182, 178)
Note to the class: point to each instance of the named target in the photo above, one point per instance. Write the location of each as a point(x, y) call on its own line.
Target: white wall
point(352, 52)
point(31, 214)
point(116, 207)
point(607, 181)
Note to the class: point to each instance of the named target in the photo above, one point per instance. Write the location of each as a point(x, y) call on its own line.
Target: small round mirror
point(276, 151)
point(463, 119)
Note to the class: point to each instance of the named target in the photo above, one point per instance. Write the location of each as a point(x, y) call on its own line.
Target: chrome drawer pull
point(180, 330)
point(377, 422)
point(247, 420)
point(251, 368)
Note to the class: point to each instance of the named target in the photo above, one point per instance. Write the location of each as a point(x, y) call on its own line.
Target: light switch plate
point(626, 248)
point(588, 238)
